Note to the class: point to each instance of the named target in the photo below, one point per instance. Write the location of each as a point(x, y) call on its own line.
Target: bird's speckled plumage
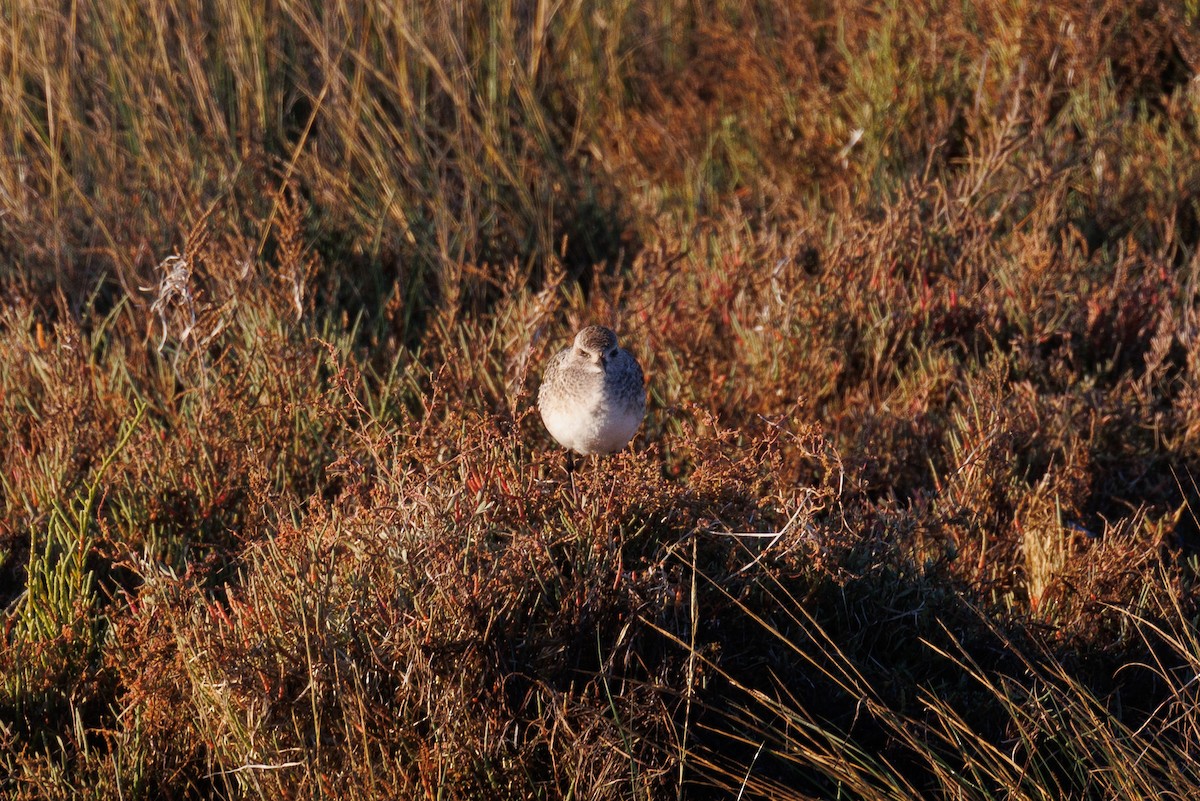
point(593, 395)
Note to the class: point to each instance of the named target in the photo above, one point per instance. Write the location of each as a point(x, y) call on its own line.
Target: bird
point(593, 395)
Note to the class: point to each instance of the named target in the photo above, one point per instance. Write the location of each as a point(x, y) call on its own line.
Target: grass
point(912, 511)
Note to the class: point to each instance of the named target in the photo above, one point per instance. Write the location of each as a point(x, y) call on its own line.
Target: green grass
point(911, 513)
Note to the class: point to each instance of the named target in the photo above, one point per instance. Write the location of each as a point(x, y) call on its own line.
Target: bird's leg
point(571, 473)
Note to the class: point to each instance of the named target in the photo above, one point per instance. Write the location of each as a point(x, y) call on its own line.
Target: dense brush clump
point(909, 515)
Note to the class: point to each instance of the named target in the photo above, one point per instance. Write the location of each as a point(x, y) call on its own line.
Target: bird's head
point(596, 345)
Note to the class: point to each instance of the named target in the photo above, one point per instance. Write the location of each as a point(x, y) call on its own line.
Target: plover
point(593, 396)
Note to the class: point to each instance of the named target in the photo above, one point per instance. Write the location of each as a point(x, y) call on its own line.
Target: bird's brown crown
point(596, 339)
